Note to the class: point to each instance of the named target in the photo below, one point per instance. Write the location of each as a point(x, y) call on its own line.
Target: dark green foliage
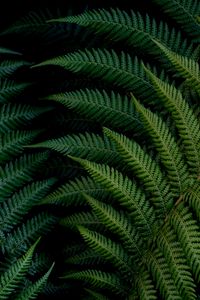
point(100, 155)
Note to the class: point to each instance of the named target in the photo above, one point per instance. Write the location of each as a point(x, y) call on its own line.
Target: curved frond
point(131, 28)
point(72, 192)
point(111, 108)
point(14, 275)
point(99, 279)
point(166, 146)
point(185, 120)
point(32, 291)
point(188, 232)
point(126, 192)
point(13, 210)
point(89, 145)
point(185, 12)
point(146, 169)
point(15, 173)
point(117, 69)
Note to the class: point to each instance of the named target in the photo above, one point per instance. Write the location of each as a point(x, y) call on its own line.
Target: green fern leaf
point(13, 210)
point(7, 51)
point(167, 148)
point(185, 120)
point(96, 295)
point(11, 143)
point(131, 28)
point(185, 67)
point(9, 89)
point(116, 69)
point(126, 192)
point(20, 239)
point(82, 218)
point(14, 275)
point(184, 12)
point(161, 274)
point(117, 222)
point(15, 173)
point(14, 116)
point(8, 67)
point(89, 145)
point(106, 108)
point(192, 196)
point(110, 250)
point(146, 170)
point(99, 279)
point(33, 290)
point(177, 262)
point(145, 287)
point(71, 193)
point(188, 234)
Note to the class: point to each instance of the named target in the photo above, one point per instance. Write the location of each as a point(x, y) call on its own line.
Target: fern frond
point(185, 12)
point(89, 145)
point(111, 108)
point(160, 271)
point(126, 192)
point(8, 67)
point(145, 287)
point(82, 218)
point(13, 210)
point(15, 173)
point(132, 28)
point(116, 69)
point(10, 280)
point(71, 193)
point(187, 230)
point(192, 197)
point(146, 169)
point(117, 222)
point(185, 120)
point(99, 279)
point(186, 67)
point(111, 251)
point(9, 89)
point(34, 289)
point(7, 51)
point(20, 239)
point(166, 146)
point(96, 295)
point(11, 143)
point(177, 262)
point(14, 116)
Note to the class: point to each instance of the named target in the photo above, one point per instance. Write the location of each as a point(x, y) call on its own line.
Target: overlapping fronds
point(132, 28)
point(184, 12)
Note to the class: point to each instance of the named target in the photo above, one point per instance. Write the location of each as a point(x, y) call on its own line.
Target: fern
point(184, 12)
point(13, 210)
point(33, 290)
point(123, 189)
point(117, 69)
point(112, 109)
point(131, 28)
point(164, 142)
point(12, 277)
point(12, 143)
point(14, 174)
point(98, 279)
point(188, 233)
point(186, 122)
point(146, 169)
